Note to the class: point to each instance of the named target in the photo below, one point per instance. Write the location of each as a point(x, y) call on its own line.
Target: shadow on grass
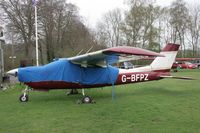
point(61, 95)
point(36, 97)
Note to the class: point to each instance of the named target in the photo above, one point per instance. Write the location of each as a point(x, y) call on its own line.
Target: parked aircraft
point(94, 70)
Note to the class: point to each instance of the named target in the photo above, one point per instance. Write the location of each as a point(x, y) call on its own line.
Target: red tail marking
point(171, 47)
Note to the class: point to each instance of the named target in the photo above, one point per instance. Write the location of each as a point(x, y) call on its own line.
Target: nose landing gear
point(24, 96)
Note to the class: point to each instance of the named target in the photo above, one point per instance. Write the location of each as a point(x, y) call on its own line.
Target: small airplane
point(94, 70)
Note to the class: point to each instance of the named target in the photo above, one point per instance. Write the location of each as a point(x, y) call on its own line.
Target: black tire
point(23, 98)
point(87, 99)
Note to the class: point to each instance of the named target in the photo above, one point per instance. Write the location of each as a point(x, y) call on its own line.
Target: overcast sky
point(92, 10)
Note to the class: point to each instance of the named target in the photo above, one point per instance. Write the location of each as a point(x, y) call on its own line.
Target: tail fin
point(165, 63)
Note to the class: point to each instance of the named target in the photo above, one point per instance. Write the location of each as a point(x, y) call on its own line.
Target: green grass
point(165, 106)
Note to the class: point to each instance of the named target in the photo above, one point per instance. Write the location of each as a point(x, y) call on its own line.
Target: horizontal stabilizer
point(176, 77)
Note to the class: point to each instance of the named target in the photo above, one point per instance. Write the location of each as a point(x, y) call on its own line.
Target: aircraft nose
point(13, 72)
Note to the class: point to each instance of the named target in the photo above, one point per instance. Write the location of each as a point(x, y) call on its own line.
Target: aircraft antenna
point(89, 49)
point(80, 52)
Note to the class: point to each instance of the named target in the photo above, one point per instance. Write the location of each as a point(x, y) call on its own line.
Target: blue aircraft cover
point(64, 70)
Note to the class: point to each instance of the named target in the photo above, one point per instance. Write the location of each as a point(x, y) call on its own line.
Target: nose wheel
point(24, 96)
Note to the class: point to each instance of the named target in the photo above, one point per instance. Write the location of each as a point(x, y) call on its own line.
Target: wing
point(109, 56)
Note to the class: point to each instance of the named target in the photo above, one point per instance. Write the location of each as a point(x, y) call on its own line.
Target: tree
point(178, 21)
point(194, 29)
point(54, 19)
point(139, 25)
point(150, 33)
point(20, 16)
point(60, 29)
point(109, 29)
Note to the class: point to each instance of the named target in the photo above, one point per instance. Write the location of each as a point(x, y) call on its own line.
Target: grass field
point(165, 106)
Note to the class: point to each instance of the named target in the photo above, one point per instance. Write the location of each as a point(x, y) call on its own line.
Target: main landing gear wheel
point(23, 98)
point(87, 99)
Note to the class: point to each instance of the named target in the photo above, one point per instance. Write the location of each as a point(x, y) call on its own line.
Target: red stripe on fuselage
point(123, 78)
point(48, 85)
